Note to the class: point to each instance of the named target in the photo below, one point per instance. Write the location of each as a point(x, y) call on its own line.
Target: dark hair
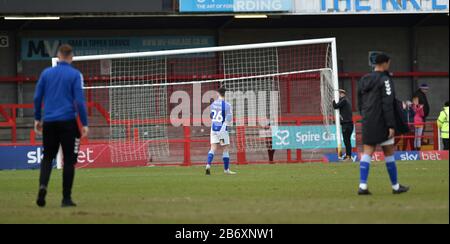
point(382, 58)
point(65, 50)
point(222, 91)
point(424, 86)
point(446, 104)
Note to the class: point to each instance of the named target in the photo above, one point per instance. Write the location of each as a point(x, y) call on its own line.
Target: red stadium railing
point(9, 113)
point(8, 118)
point(351, 76)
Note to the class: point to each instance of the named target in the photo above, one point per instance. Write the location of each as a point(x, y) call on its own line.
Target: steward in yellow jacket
point(443, 125)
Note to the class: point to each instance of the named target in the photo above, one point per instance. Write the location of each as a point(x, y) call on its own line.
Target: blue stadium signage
point(305, 137)
point(383, 5)
point(331, 7)
point(235, 6)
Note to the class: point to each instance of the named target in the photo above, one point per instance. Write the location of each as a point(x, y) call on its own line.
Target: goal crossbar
point(201, 50)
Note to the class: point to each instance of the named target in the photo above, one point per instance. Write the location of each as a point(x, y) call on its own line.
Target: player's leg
point(226, 157)
point(347, 133)
point(214, 143)
point(225, 144)
point(70, 143)
point(364, 169)
point(51, 145)
point(270, 151)
point(226, 160)
point(211, 153)
point(391, 166)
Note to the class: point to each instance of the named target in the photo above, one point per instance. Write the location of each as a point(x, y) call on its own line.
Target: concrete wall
point(8, 92)
point(33, 68)
point(354, 45)
point(433, 55)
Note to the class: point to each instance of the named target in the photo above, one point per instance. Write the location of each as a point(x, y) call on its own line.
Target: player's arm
point(340, 104)
point(38, 96)
point(388, 98)
point(80, 103)
point(211, 114)
point(228, 118)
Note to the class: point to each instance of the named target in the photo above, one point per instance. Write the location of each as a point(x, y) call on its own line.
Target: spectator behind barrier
point(419, 119)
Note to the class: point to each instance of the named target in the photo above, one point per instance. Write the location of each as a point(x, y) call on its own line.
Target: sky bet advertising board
point(99, 156)
point(399, 156)
point(30, 157)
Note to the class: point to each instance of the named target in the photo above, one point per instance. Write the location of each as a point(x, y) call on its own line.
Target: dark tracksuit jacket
point(346, 112)
point(345, 109)
point(376, 95)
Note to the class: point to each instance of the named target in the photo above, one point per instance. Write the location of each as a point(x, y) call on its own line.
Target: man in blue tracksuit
point(60, 89)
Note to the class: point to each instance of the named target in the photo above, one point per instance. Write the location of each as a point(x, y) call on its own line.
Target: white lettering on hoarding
point(4, 41)
point(256, 6)
point(36, 156)
point(356, 6)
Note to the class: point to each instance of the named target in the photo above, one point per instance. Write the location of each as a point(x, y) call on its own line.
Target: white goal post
point(136, 90)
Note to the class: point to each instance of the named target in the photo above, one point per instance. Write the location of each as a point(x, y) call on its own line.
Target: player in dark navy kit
point(60, 89)
point(376, 96)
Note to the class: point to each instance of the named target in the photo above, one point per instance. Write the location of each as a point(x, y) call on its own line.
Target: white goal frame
point(331, 41)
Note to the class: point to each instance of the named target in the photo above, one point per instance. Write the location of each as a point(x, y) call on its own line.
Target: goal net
point(138, 103)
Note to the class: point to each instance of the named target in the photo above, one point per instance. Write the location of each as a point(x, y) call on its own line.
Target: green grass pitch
point(285, 193)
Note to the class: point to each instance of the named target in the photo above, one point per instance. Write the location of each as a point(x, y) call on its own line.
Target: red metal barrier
point(188, 140)
point(9, 114)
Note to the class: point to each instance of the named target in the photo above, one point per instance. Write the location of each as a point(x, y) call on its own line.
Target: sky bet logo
point(425, 155)
point(408, 156)
point(36, 156)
